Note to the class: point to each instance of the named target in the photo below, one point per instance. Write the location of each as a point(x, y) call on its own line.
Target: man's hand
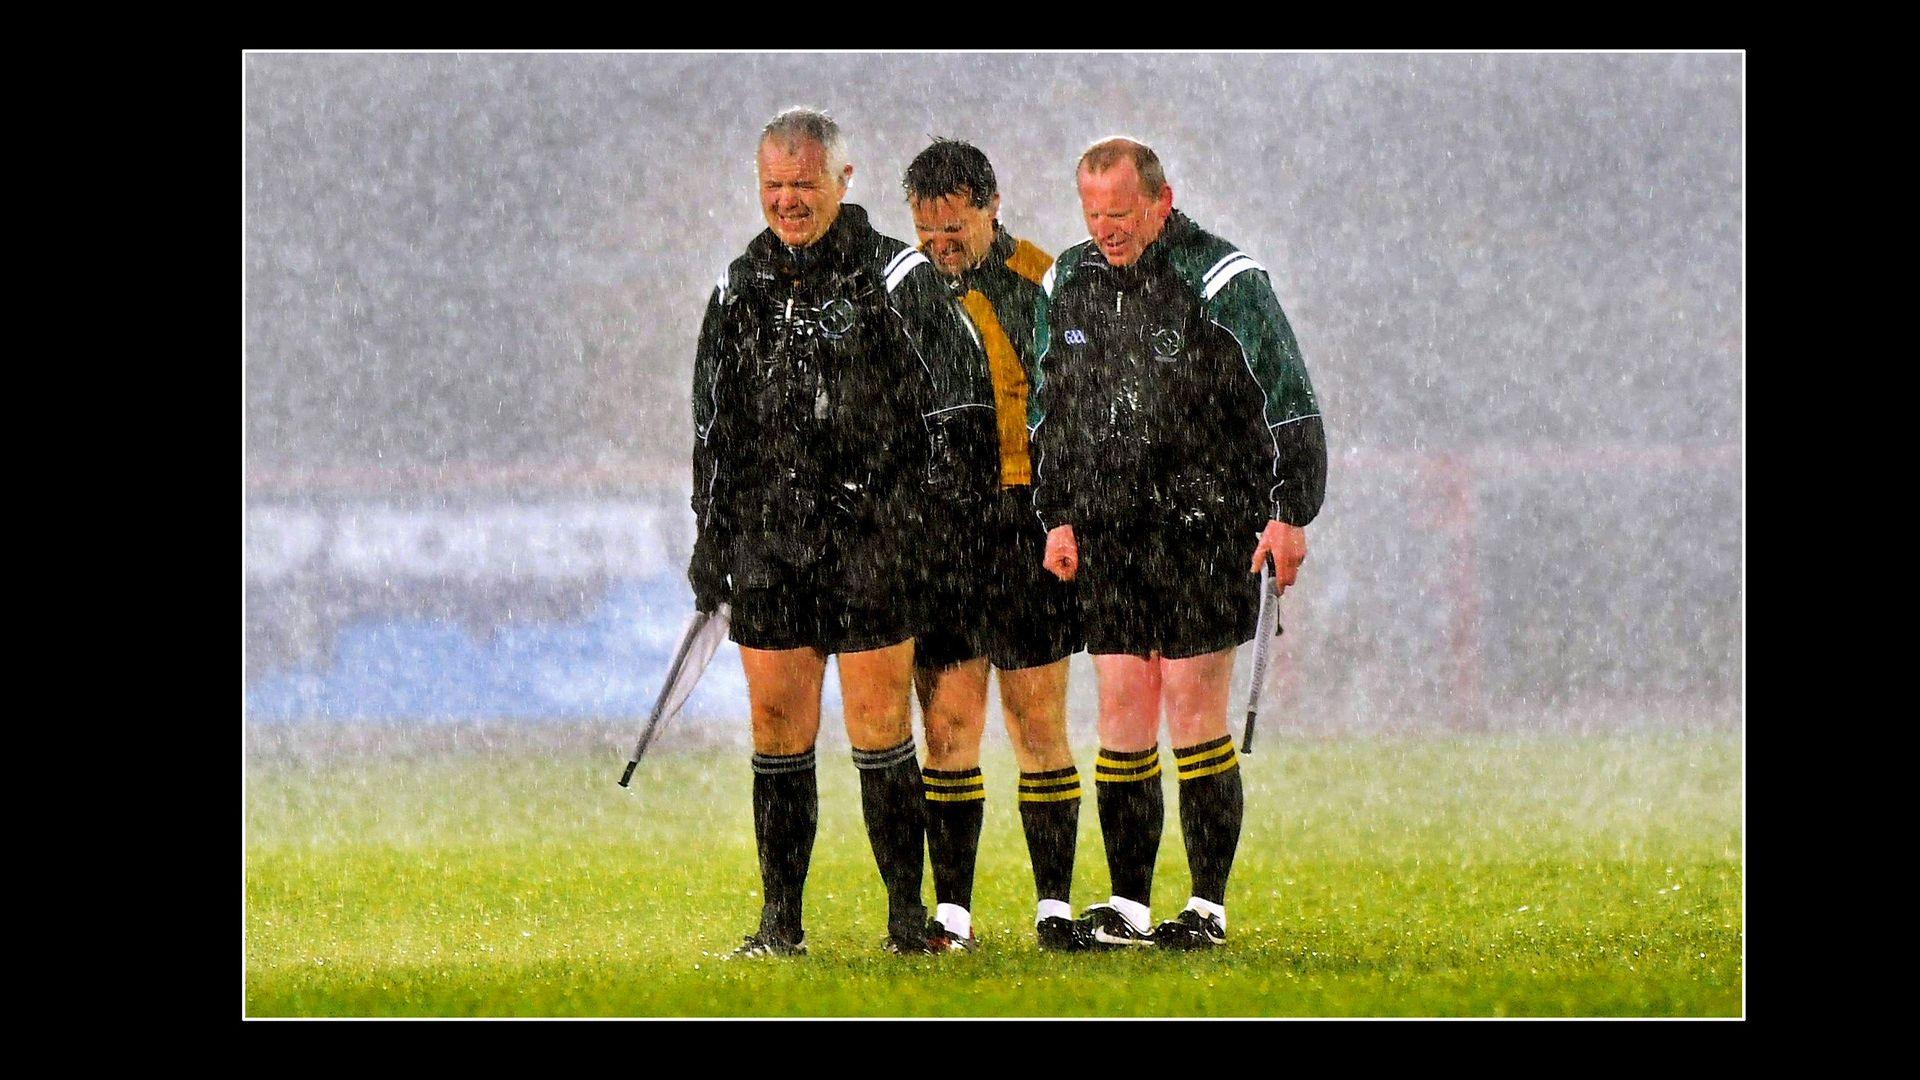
point(707, 573)
point(1286, 543)
point(1063, 554)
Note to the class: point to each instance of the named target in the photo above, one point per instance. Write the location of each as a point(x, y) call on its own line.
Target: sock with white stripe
point(1212, 803)
point(1132, 813)
point(786, 816)
point(892, 801)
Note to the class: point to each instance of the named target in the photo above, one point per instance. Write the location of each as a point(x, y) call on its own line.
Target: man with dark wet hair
point(1177, 446)
point(997, 608)
point(821, 434)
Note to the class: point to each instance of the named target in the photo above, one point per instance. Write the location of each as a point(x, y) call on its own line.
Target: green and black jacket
point(1000, 298)
point(1172, 389)
point(833, 394)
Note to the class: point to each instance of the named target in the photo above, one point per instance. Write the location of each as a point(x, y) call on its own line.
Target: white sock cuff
point(957, 920)
point(1053, 909)
point(1135, 911)
point(1208, 907)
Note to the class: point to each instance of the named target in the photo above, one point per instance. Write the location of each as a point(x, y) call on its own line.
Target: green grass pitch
point(1404, 876)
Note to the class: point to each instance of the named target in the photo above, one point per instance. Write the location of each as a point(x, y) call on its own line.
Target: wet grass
point(1491, 876)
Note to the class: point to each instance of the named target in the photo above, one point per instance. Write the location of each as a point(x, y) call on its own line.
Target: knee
point(774, 716)
point(1135, 710)
point(1034, 728)
point(1195, 718)
point(1128, 729)
point(953, 738)
point(782, 730)
point(876, 727)
point(951, 754)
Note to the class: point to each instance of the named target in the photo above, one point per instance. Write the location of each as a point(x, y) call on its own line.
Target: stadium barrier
point(1442, 588)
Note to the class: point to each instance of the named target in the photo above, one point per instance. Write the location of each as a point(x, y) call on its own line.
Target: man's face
point(1121, 217)
point(954, 233)
point(798, 195)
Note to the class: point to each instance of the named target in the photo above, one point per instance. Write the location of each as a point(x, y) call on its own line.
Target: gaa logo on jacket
point(1166, 344)
point(1076, 337)
point(836, 318)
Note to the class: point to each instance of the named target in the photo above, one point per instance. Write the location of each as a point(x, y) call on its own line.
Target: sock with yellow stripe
point(1132, 813)
point(1050, 814)
point(1212, 803)
point(956, 803)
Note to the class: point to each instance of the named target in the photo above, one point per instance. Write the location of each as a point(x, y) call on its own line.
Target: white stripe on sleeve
point(1215, 268)
point(1226, 273)
point(901, 266)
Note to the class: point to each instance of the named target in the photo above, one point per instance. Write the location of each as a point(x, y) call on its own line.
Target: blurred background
point(472, 284)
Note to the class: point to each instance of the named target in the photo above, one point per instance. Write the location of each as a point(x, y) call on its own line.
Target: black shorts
point(1167, 588)
point(849, 595)
point(1001, 604)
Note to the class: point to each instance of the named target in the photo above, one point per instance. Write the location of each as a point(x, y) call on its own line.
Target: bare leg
point(873, 689)
point(1035, 703)
point(1129, 701)
point(783, 690)
point(1196, 694)
point(954, 701)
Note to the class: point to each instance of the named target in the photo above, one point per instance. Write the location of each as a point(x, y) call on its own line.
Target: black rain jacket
point(1172, 390)
point(831, 400)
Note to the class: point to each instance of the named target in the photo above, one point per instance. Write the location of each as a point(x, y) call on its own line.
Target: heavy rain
point(473, 282)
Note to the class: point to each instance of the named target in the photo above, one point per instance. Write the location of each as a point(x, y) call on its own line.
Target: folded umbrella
point(1265, 631)
point(703, 634)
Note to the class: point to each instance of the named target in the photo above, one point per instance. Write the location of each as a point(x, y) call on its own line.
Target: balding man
point(1177, 446)
point(822, 429)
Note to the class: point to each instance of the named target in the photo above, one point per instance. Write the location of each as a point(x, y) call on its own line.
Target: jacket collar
point(1002, 247)
point(840, 246)
point(997, 255)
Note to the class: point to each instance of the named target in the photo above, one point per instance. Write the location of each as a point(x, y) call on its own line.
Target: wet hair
point(1106, 153)
point(951, 167)
point(798, 125)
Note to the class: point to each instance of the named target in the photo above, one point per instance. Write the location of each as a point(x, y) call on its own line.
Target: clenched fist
point(1063, 554)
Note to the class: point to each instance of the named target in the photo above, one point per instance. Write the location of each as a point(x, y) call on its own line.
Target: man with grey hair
point(1175, 435)
point(822, 430)
point(797, 127)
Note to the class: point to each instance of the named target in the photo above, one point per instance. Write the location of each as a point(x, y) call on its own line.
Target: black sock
point(1132, 812)
point(895, 808)
point(956, 803)
point(786, 815)
point(1212, 802)
point(1050, 813)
